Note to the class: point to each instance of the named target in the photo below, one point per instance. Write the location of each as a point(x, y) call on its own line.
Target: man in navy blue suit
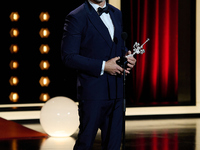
point(92, 44)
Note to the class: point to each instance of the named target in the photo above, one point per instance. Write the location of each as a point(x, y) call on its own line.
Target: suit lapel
point(117, 34)
point(98, 24)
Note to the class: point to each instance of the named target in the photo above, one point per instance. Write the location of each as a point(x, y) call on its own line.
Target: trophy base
point(122, 61)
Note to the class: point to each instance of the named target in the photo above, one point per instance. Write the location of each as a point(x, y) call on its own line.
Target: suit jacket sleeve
point(71, 46)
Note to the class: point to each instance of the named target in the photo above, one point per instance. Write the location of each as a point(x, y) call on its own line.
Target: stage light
point(44, 49)
point(44, 16)
point(13, 81)
point(14, 97)
point(44, 65)
point(14, 64)
point(14, 48)
point(44, 33)
point(59, 117)
point(14, 32)
point(44, 97)
point(44, 81)
point(14, 16)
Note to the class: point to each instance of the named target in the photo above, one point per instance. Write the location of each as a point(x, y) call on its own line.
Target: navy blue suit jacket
point(86, 44)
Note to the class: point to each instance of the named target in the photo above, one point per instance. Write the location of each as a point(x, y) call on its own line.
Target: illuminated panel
point(14, 48)
point(44, 16)
point(116, 3)
point(13, 81)
point(14, 97)
point(44, 81)
point(14, 16)
point(44, 49)
point(44, 33)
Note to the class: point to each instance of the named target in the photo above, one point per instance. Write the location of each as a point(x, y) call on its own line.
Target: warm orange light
point(44, 16)
point(14, 64)
point(14, 97)
point(44, 65)
point(44, 33)
point(44, 81)
point(14, 16)
point(44, 49)
point(44, 97)
point(14, 48)
point(13, 81)
point(14, 32)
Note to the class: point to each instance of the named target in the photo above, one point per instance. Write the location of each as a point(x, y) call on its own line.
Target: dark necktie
point(102, 10)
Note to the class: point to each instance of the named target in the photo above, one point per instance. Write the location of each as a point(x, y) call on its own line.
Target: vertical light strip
point(116, 3)
point(198, 68)
point(165, 50)
point(156, 53)
point(197, 52)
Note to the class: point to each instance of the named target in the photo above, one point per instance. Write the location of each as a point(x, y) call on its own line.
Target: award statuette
point(137, 49)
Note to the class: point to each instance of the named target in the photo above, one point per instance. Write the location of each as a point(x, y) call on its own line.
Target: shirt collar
point(95, 6)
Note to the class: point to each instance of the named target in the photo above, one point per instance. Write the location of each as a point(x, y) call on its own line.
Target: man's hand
point(112, 68)
point(131, 61)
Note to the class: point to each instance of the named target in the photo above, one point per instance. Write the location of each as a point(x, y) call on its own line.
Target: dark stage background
point(164, 75)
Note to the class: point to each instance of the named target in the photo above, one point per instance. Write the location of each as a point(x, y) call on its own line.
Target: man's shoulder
point(79, 11)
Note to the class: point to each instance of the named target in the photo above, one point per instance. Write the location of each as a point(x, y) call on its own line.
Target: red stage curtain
point(155, 77)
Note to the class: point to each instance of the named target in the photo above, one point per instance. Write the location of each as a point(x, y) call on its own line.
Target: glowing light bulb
point(44, 16)
point(13, 81)
point(14, 32)
point(14, 16)
point(44, 49)
point(14, 97)
point(44, 33)
point(44, 81)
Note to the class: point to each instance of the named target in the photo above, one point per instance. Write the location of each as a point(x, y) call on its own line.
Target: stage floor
point(168, 134)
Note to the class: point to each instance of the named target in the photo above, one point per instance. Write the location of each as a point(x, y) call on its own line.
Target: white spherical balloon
point(59, 117)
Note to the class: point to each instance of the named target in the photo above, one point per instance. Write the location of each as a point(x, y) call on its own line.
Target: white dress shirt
point(108, 23)
point(105, 18)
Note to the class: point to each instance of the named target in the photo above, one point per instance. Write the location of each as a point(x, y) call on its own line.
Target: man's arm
point(71, 46)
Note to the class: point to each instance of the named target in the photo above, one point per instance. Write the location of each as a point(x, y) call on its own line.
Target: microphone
point(122, 62)
point(124, 36)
